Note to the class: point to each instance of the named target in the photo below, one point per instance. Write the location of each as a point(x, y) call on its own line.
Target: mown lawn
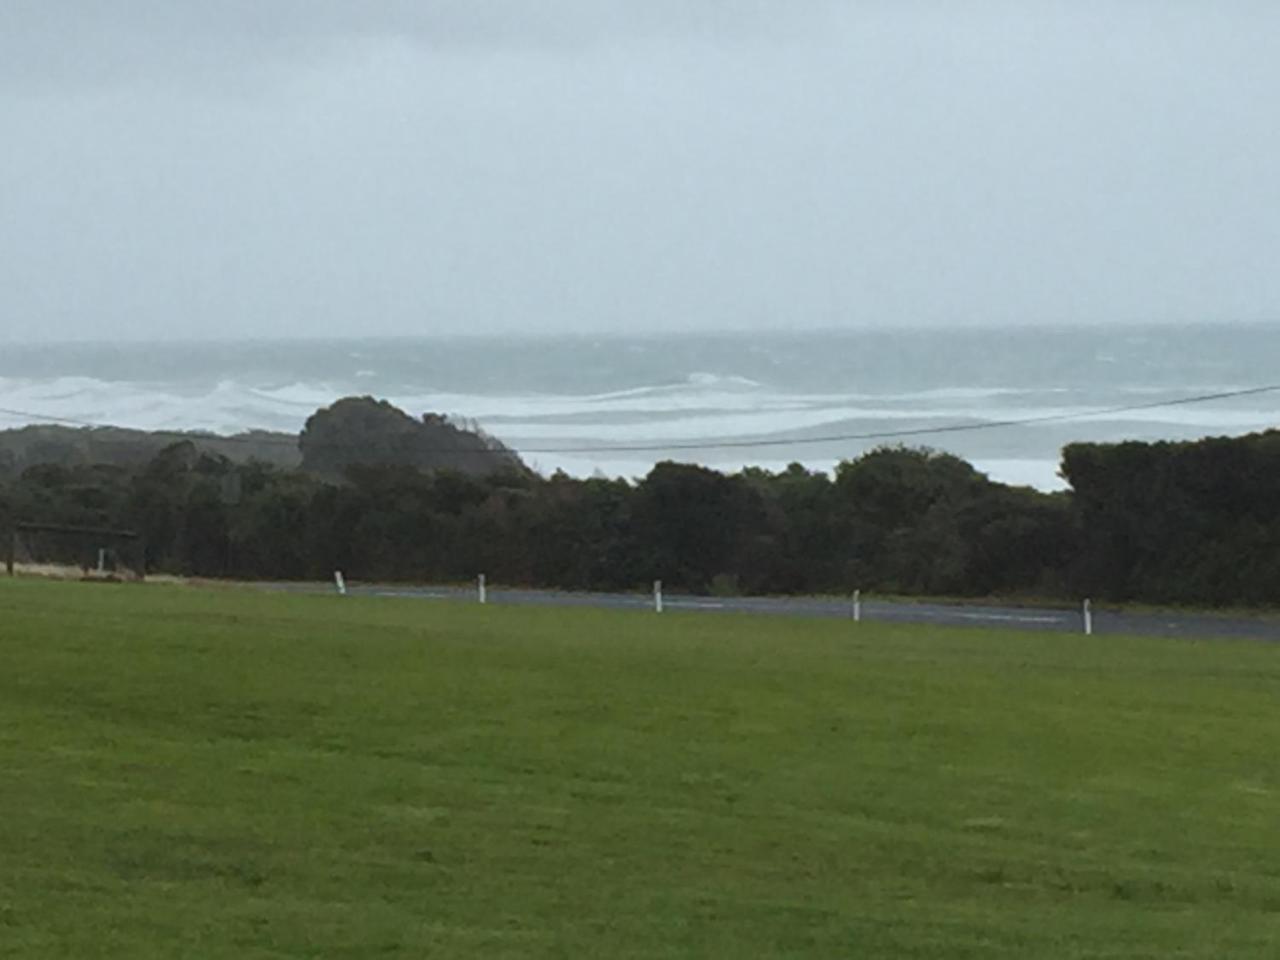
point(225, 774)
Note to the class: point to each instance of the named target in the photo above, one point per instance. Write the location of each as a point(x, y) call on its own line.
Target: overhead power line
point(946, 428)
point(38, 419)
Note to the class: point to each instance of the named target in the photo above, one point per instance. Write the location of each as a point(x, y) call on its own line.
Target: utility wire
point(275, 439)
point(946, 428)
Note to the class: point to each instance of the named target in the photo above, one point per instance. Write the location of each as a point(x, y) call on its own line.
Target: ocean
point(616, 405)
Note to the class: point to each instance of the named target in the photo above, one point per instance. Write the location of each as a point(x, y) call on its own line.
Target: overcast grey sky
point(316, 167)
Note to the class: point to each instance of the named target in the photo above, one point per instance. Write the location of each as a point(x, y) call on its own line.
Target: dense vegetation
point(355, 429)
point(228, 774)
point(1168, 522)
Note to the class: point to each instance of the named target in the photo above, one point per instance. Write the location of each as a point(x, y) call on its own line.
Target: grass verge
point(233, 774)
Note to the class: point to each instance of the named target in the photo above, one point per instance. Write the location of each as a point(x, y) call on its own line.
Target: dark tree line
point(1179, 522)
point(353, 430)
point(907, 521)
point(1174, 522)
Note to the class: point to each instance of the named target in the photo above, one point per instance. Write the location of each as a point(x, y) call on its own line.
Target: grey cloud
point(85, 41)
point(323, 168)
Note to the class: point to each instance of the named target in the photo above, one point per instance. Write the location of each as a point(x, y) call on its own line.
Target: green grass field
point(224, 774)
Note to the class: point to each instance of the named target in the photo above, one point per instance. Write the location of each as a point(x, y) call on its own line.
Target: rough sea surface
point(579, 403)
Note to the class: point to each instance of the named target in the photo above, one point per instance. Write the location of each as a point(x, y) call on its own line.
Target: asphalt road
point(1159, 624)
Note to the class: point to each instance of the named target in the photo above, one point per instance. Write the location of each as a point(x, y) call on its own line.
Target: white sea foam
point(702, 406)
point(652, 414)
point(1041, 474)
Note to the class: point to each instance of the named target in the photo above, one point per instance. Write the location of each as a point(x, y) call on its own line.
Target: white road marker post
point(102, 560)
point(857, 606)
point(657, 596)
point(482, 590)
point(1088, 619)
point(340, 583)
